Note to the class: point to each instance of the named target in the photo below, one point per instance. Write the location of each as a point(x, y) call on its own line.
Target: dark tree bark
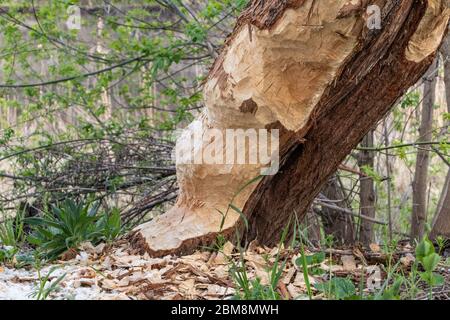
point(441, 221)
point(420, 183)
point(367, 190)
point(362, 96)
point(441, 226)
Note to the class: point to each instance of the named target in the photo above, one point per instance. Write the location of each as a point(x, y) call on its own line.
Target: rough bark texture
point(362, 95)
point(441, 221)
point(420, 183)
point(313, 70)
point(441, 226)
point(367, 190)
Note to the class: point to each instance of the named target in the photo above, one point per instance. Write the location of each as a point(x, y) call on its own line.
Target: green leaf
point(312, 259)
point(431, 261)
point(437, 280)
point(339, 288)
point(393, 293)
point(432, 279)
point(424, 248)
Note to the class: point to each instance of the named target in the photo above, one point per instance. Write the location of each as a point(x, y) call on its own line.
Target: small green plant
point(392, 292)
point(304, 263)
point(14, 257)
point(338, 288)
point(45, 287)
point(328, 241)
point(70, 224)
point(7, 254)
point(247, 289)
point(307, 262)
point(429, 259)
point(313, 259)
point(11, 231)
point(218, 244)
point(412, 282)
point(441, 242)
point(11, 238)
point(110, 225)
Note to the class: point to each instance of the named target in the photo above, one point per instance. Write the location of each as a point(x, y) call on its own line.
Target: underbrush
point(417, 281)
point(63, 227)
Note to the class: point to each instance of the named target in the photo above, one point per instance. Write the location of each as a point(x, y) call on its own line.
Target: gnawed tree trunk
point(441, 221)
point(366, 190)
point(420, 183)
point(313, 70)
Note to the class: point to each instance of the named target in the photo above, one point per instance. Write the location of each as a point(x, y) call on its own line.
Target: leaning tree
point(322, 74)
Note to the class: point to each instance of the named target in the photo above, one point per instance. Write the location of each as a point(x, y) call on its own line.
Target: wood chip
point(299, 280)
point(407, 260)
point(289, 274)
point(348, 263)
point(283, 290)
point(87, 273)
point(374, 247)
point(216, 290)
point(294, 291)
point(108, 284)
point(87, 247)
point(69, 255)
point(187, 288)
point(84, 283)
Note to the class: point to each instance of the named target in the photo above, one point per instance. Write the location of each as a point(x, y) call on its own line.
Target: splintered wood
point(259, 80)
point(316, 71)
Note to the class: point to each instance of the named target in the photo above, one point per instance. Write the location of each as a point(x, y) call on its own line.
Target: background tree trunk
point(367, 190)
point(420, 183)
point(313, 70)
point(313, 228)
point(441, 221)
point(441, 226)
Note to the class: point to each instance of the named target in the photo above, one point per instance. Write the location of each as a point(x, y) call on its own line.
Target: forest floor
point(119, 272)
